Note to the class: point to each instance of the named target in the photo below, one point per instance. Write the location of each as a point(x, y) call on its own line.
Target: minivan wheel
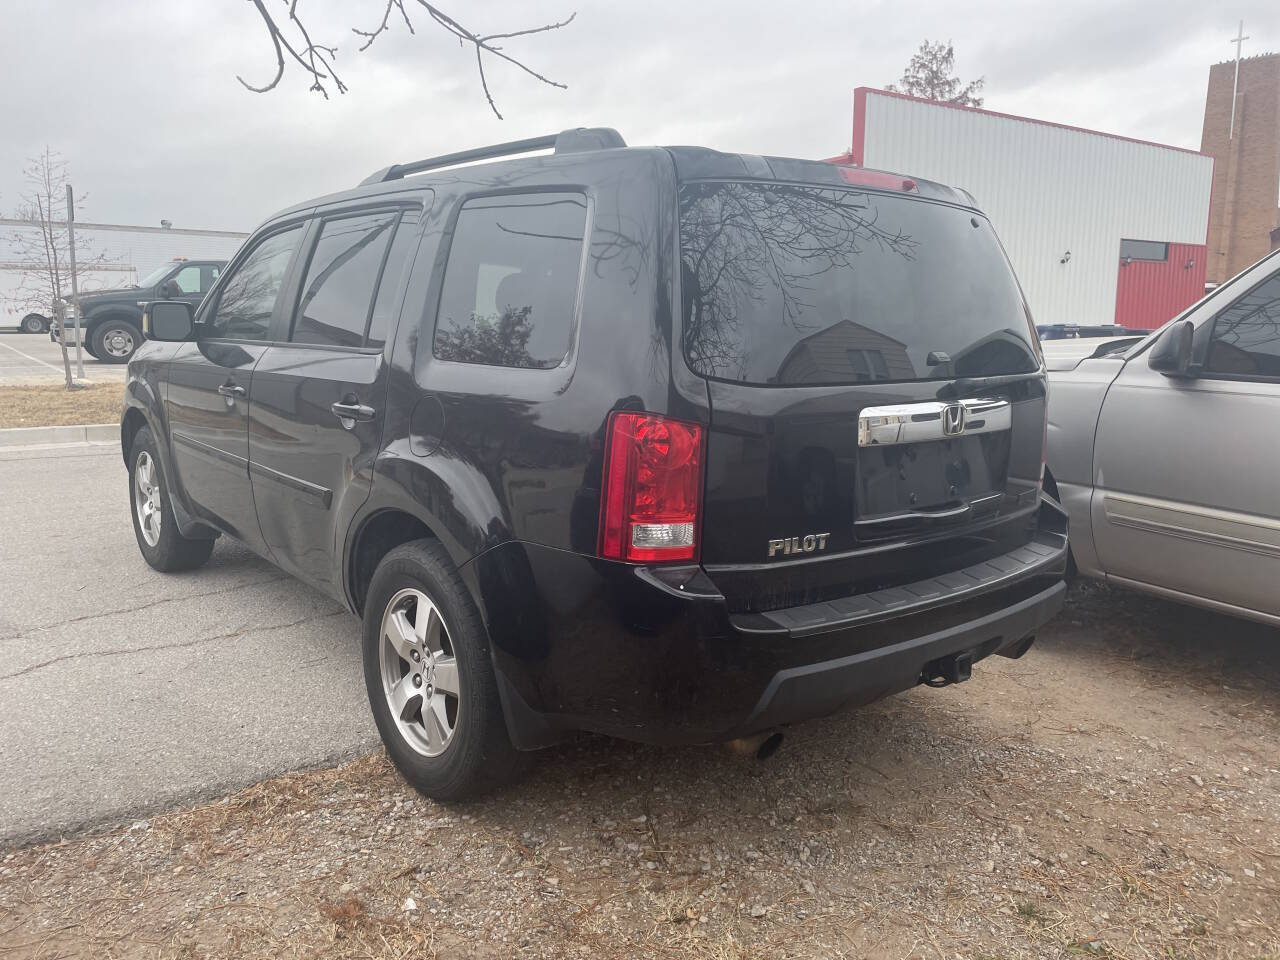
point(429, 678)
point(162, 544)
point(114, 341)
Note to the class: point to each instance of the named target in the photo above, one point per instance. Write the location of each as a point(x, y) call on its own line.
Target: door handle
point(231, 389)
point(351, 409)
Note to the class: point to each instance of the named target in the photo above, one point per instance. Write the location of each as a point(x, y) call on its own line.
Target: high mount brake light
point(652, 490)
point(877, 179)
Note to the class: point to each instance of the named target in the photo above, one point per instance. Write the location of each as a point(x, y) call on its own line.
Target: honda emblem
point(954, 416)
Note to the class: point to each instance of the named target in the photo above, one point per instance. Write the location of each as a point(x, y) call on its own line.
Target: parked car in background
point(669, 444)
point(34, 322)
point(1072, 331)
point(111, 321)
point(1163, 449)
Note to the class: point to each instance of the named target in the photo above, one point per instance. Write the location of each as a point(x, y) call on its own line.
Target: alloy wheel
point(146, 498)
point(419, 672)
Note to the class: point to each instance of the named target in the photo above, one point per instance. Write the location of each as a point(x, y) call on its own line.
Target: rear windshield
point(792, 284)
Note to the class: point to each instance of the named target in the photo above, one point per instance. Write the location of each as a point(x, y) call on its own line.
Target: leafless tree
point(291, 40)
point(42, 244)
point(931, 75)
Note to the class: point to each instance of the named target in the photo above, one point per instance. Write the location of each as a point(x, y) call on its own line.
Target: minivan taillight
point(652, 488)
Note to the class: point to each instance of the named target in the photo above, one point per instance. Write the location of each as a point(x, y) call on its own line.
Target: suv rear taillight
point(652, 488)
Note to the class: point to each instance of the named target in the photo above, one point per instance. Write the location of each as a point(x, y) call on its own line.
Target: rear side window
point(335, 304)
point(248, 298)
point(791, 284)
point(1246, 335)
point(511, 283)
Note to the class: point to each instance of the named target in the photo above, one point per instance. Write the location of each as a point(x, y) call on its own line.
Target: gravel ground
point(1113, 794)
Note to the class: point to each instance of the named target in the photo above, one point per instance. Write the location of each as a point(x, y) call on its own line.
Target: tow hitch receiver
point(945, 671)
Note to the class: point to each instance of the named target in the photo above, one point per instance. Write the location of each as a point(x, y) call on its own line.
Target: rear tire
point(162, 544)
point(32, 323)
point(115, 341)
point(449, 744)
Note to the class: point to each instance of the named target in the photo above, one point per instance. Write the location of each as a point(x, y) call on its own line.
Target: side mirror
point(1172, 354)
point(169, 320)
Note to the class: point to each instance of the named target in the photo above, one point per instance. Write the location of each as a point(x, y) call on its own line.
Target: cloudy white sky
point(141, 96)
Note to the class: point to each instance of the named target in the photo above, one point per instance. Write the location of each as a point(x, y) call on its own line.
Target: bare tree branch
point(318, 59)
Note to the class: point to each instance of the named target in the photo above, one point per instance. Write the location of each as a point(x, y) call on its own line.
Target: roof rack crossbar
point(567, 141)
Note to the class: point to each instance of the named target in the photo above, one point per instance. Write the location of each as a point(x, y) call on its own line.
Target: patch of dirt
point(1116, 793)
point(53, 405)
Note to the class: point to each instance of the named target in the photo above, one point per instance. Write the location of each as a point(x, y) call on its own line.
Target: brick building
point(1245, 204)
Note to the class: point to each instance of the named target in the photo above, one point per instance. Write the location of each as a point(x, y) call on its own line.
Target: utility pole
point(75, 283)
point(1239, 40)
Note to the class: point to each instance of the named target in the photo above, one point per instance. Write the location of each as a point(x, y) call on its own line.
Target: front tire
point(115, 341)
point(162, 544)
point(429, 677)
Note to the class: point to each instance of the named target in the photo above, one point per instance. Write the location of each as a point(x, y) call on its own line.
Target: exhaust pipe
point(758, 746)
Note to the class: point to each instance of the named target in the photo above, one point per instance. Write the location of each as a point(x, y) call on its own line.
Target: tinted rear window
point(793, 285)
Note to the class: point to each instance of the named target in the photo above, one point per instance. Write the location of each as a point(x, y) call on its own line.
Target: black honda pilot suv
point(663, 443)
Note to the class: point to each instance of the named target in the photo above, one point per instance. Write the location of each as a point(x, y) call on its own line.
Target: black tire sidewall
point(38, 325)
point(480, 747)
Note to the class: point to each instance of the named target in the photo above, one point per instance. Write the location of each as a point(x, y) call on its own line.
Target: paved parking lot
point(124, 690)
point(34, 358)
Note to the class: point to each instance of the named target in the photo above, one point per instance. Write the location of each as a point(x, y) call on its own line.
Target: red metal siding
point(1149, 292)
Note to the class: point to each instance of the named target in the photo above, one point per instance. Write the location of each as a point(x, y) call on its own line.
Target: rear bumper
point(652, 654)
point(822, 688)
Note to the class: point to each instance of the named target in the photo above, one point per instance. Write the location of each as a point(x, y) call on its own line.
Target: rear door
point(877, 402)
point(319, 390)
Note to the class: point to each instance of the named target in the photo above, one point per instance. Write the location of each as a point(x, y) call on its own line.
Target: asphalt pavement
point(123, 690)
point(34, 358)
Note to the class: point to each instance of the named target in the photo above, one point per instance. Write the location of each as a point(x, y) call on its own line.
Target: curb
point(80, 433)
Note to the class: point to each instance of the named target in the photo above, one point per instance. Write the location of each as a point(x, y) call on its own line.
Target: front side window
point(1246, 335)
point(188, 280)
point(249, 296)
point(337, 295)
point(511, 284)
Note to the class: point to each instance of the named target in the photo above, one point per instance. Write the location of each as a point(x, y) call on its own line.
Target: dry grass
point(53, 405)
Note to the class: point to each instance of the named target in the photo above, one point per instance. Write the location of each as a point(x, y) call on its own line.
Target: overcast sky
point(141, 98)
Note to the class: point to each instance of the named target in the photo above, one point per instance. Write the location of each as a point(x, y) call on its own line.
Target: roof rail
point(577, 140)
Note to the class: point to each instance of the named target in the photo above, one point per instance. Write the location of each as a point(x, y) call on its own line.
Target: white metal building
point(110, 255)
point(1062, 200)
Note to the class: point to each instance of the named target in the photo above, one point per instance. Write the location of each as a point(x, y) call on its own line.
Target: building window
point(1143, 250)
